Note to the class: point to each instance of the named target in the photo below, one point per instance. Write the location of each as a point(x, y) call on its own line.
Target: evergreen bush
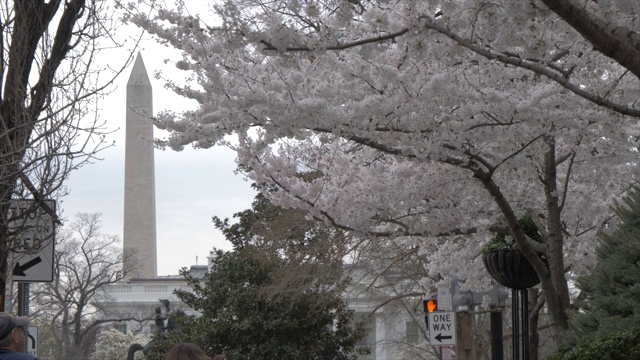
point(623, 345)
point(610, 295)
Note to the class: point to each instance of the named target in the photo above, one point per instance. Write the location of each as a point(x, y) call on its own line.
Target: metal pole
point(23, 308)
point(525, 324)
point(497, 350)
point(515, 314)
point(5, 301)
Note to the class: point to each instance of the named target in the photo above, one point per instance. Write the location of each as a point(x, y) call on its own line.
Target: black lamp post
point(511, 269)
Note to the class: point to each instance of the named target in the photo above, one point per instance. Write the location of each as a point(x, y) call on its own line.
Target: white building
point(386, 337)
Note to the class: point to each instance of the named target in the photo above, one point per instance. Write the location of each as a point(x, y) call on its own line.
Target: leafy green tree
point(254, 304)
point(610, 296)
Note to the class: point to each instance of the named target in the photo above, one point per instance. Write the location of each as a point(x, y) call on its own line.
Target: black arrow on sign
point(33, 341)
point(439, 337)
point(19, 270)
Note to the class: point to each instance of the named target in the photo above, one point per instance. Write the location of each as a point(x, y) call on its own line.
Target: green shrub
point(623, 345)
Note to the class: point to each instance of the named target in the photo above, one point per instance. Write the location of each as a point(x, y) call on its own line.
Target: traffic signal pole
point(453, 317)
point(465, 346)
point(463, 303)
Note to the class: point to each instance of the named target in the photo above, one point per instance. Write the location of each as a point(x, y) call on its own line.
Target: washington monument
point(139, 237)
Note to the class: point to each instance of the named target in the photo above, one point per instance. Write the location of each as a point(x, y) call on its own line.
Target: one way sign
point(442, 328)
point(34, 240)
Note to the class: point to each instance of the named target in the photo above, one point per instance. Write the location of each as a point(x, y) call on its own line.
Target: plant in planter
point(501, 242)
point(506, 264)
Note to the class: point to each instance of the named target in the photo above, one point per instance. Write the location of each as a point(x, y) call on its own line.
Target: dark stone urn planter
point(511, 269)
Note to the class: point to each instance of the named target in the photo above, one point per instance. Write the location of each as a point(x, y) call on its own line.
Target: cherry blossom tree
point(430, 124)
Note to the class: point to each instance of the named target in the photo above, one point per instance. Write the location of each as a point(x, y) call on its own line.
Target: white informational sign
point(442, 328)
point(34, 242)
point(32, 341)
point(446, 352)
point(444, 299)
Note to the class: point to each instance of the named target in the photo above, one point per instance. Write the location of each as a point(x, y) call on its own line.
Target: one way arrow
point(439, 337)
point(19, 270)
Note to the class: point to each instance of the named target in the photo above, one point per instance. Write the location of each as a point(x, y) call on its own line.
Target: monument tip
point(139, 76)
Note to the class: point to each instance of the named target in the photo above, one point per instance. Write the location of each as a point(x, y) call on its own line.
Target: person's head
point(186, 351)
point(12, 331)
point(220, 357)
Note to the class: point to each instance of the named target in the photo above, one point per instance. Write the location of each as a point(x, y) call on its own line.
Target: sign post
point(23, 308)
point(5, 305)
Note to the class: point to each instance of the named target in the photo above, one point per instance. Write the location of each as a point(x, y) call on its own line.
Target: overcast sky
point(191, 186)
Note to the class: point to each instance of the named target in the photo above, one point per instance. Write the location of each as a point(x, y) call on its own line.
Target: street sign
point(444, 299)
point(32, 341)
point(446, 352)
point(442, 328)
point(34, 242)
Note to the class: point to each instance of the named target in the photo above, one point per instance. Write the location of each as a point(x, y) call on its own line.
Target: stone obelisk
point(139, 236)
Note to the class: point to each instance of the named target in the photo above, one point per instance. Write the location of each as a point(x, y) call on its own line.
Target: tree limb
point(553, 75)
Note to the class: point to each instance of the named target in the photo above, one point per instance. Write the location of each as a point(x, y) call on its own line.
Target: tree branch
point(553, 75)
point(616, 42)
point(270, 47)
